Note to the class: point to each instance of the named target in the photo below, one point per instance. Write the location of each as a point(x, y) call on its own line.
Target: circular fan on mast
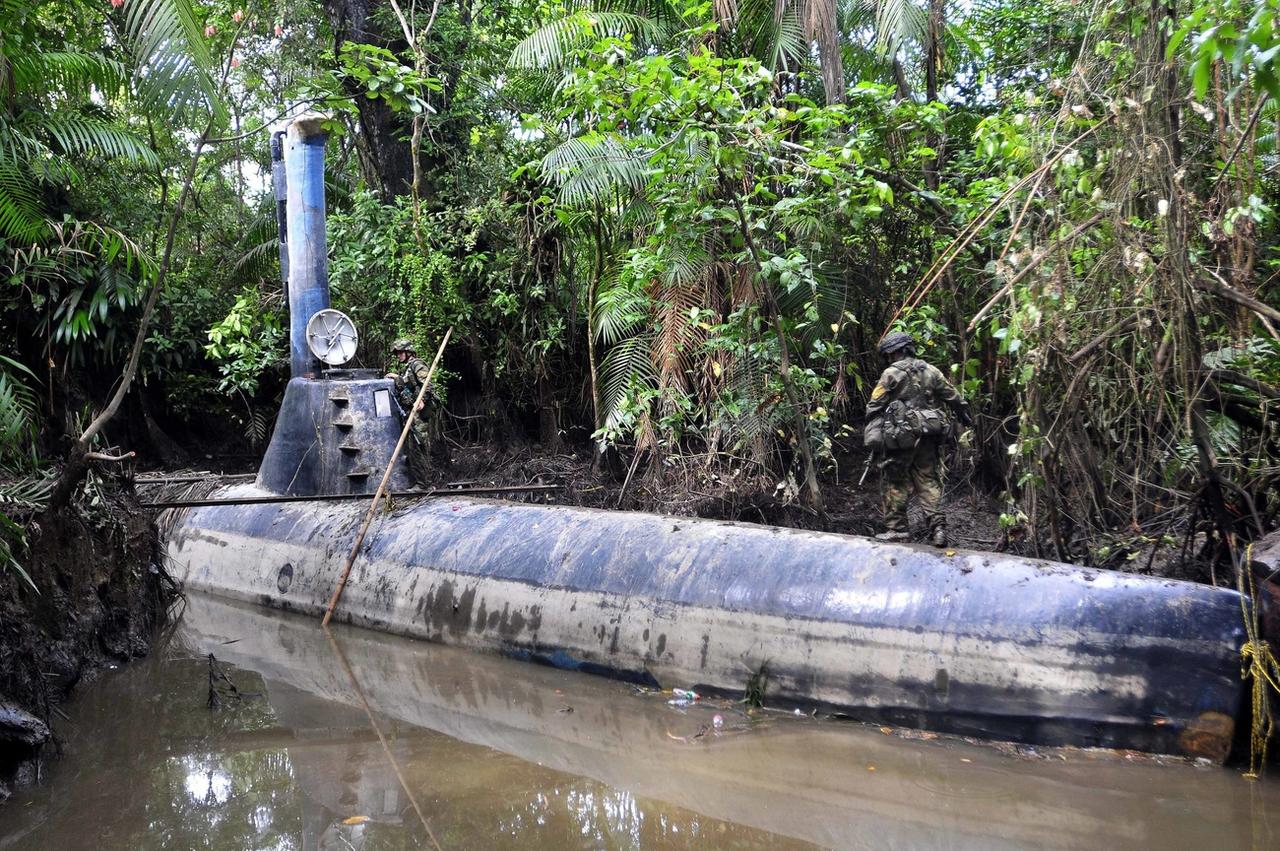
point(331, 336)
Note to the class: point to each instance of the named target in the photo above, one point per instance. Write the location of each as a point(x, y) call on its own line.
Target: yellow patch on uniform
point(878, 392)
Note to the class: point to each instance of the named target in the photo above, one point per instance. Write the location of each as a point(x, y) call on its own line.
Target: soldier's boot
point(896, 492)
point(926, 475)
point(416, 456)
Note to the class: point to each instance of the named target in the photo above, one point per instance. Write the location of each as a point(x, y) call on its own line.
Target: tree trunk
point(812, 494)
point(388, 163)
point(593, 286)
point(933, 65)
point(78, 458)
point(548, 425)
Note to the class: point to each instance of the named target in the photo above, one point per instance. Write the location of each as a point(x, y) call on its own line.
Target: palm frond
point(627, 366)
point(620, 311)
point(82, 134)
point(897, 22)
point(591, 169)
point(18, 408)
point(754, 422)
point(167, 42)
point(676, 302)
point(69, 73)
point(82, 239)
point(13, 535)
point(771, 31)
point(26, 494)
point(18, 144)
point(21, 213)
point(258, 261)
point(260, 247)
point(553, 44)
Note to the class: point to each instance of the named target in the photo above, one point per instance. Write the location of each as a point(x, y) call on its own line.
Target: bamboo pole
point(382, 485)
point(382, 739)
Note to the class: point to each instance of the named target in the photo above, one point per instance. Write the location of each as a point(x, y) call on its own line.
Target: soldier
point(408, 383)
point(907, 422)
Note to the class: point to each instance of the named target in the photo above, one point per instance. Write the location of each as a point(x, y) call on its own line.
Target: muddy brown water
point(497, 753)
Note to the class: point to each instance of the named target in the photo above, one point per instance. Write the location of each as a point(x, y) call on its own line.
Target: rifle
point(866, 468)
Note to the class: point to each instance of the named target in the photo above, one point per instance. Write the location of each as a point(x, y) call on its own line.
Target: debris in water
point(355, 820)
point(702, 731)
point(798, 712)
point(216, 676)
point(683, 697)
point(566, 709)
point(717, 721)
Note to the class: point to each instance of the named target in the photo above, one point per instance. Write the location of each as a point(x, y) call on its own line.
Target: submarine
point(977, 644)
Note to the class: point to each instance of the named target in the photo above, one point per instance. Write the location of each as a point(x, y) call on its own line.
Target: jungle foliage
point(676, 229)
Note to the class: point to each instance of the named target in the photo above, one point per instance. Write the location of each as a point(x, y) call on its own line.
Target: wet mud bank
point(100, 594)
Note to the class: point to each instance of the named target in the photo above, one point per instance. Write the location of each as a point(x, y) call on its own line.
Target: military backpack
point(905, 423)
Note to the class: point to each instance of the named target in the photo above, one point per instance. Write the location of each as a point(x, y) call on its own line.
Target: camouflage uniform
point(919, 385)
point(408, 383)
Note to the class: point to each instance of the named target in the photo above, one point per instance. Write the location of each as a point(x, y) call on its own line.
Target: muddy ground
point(689, 487)
point(100, 595)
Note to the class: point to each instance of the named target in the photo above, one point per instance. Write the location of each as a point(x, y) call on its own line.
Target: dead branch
point(1223, 290)
point(102, 456)
point(1118, 328)
point(1230, 376)
point(1032, 264)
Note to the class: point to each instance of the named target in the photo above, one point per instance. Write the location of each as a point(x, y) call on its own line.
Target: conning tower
point(337, 427)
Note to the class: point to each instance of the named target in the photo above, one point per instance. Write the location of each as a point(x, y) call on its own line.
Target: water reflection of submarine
point(346, 782)
point(802, 780)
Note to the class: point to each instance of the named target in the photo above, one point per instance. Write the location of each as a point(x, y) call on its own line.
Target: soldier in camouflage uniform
point(408, 383)
point(922, 387)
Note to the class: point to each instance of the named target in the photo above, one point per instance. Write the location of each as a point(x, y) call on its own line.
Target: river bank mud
point(100, 594)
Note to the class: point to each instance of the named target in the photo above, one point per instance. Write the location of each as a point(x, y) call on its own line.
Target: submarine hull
point(976, 644)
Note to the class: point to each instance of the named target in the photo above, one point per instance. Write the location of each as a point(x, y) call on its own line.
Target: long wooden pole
point(382, 739)
point(386, 477)
point(339, 497)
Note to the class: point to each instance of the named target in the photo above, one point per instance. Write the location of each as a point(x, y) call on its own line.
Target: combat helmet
point(896, 342)
point(401, 345)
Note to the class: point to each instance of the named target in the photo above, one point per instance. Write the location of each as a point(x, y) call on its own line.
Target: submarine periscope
point(970, 643)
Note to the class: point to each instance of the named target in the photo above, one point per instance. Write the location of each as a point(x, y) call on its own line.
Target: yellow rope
point(1260, 664)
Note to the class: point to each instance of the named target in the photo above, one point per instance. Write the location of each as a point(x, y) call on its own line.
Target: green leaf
point(1200, 74)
